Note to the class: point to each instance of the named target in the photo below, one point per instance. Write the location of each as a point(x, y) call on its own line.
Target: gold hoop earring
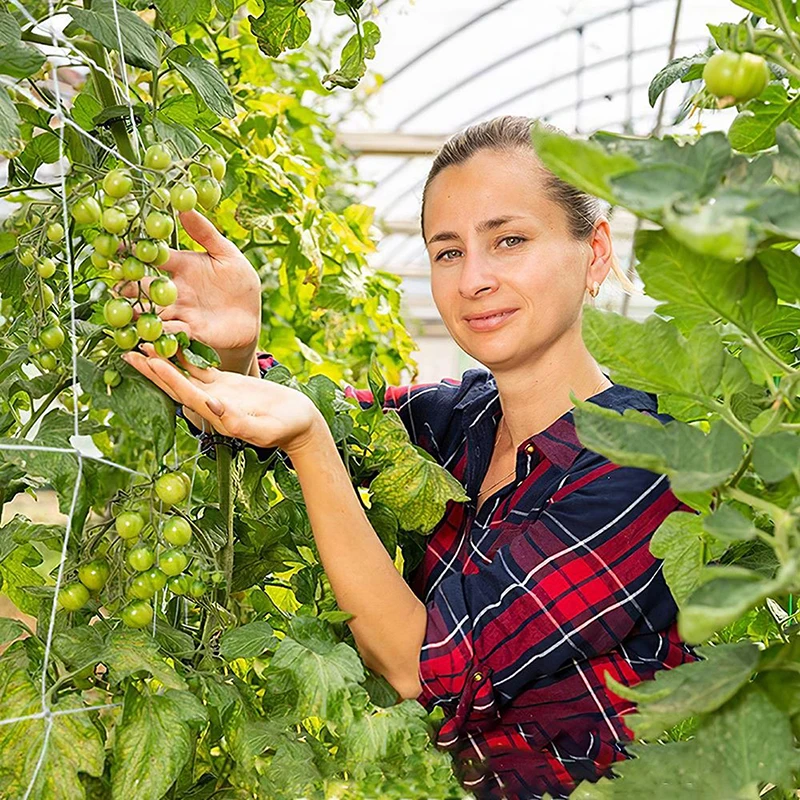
point(595, 289)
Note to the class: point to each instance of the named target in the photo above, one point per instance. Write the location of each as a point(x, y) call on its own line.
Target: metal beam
point(391, 143)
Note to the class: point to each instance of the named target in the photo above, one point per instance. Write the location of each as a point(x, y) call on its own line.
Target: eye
point(518, 238)
point(443, 254)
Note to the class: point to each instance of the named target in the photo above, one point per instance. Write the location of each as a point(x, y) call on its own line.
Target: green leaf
point(177, 14)
point(9, 123)
point(197, 353)
point(79, 647)
point(683, 69)
point(283, 25)
point(754, 128)
point(247, 641)
point(128, 652)
point(583, 164)
point(178, 135)
point(16, 576)
point(685, 548)
point(776, 456)
point(20, 60)
point(153, 741)
point(204, 80)
point(783, 271)
point(21, 530)
point(730, 525)
point(10, 629)
point(359, 48)
point(138, 402)
point(138, 38)
point(688, 690)
point(21, 743)
point(84, 110)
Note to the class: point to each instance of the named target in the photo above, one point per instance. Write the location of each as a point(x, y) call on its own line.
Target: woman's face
point(498, 245)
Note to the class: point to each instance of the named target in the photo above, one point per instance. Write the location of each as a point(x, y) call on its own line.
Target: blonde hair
point(505, 133)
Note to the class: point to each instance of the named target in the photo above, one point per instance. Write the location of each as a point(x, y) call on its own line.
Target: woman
point(543, 582)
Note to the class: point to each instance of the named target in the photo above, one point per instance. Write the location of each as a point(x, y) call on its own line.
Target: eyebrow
point(481, 227)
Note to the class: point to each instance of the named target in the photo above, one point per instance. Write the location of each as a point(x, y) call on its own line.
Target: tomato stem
point(224, 484)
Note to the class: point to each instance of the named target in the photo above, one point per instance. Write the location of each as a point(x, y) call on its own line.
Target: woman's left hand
point(260, 412)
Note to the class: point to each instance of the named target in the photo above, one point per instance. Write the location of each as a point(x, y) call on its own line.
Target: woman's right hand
point(219, 296)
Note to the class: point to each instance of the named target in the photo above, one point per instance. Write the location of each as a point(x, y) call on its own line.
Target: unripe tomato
point(146, 250)
point(172, 562)
point(177, 531)
point(130, 208)
point(117, 183)
point(129, 524)
point(157, 578)
point(112, 378)
point(160, 197)
point(170, 488)
point(114, 220)
point(183, 197)
point(163, 253)
point(163, 292)
point(106, 244)
point(132, 269)
point(158, 225)
point(138, 614)
point(216, 163)
point(46, 267)
point(208, 192)
point(34, 347)
point(149, 327)
point(157, 157)
point(52, 337)
point(742, 76)
point(44, 298)
point(118, 312)
point(166, 345)
point(126, 338)
point(141, 587)
point(99, 260)
point(187, 481)
point(67, 400)
point(73, 596)
point(87, 211)
point(141, 558)
point(55, 232)
point(94, 574)
point(47, 362)
point(197, 588)
point(179, 584)
point(26, 256)
point(116, 272)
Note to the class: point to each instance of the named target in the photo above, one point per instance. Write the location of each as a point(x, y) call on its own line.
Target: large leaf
point(177, 14)
point(283, 25)
point(138, 38)
point(684, 68)
point(203, 78)
point(754, 128)
point(129, 652)
point(359, 48)
point(153, 741)
point(9, 123)
point(247, 641)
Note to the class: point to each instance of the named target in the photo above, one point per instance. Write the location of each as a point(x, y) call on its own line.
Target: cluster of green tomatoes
point(151, 558)
point(122, 224)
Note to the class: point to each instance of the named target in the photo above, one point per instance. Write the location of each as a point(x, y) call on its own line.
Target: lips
point(489, 320)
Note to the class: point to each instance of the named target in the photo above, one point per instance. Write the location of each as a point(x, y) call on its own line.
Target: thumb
point(202, 231)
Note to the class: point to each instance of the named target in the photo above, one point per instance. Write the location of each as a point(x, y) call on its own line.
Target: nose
point(476, 276)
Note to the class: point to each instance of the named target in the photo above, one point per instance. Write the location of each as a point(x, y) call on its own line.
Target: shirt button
point(530, 449)
point(478, 676)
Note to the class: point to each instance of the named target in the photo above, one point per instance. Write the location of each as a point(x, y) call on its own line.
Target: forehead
point(489, 184)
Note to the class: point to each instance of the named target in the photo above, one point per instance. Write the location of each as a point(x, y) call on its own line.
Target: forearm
point(388, 621)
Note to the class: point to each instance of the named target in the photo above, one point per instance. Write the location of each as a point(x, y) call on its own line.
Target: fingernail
point(214, 406)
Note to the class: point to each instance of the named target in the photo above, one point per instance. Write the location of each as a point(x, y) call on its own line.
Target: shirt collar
point(559, 441)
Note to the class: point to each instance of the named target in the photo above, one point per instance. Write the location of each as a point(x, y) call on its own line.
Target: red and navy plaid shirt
point(538, 595)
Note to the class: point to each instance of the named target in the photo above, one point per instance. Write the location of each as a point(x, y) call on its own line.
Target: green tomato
point(73, 596)
point(114, 220)
point(141, 587)
point(132, 269)
point(170, 488)
point(183, 197)
point(216, 163)
point(99, 260)
point(130, 208)
point(129, 524)
point(146, 250)
point(187, 481)
point(126, 338)
point(117, 183)
point(141, 558)
point(43, 299)
point(87, 211)
point(52, 337)
point(160, 197)
point(106, 244)
point(149, 327)
point(177, 531)
point(116, 272)
point(166, 345)
point(138, 614)
point(55, 232)
point(34, 347)
point(172, 562)
point(163, 253)
point(112, 378)
point(157, 578)
point(741, 76)
point(157, 157)
point(26, 256)
point(118, 312)
point(47, 361)
point(67, 400)
point(163, 292)
point(178, 584)
point(46, 267)
point(94, 574)
point(208, 192)
point(158, 225)
point(197, 588)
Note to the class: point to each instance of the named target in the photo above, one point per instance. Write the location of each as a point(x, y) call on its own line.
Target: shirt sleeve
point(568, 586)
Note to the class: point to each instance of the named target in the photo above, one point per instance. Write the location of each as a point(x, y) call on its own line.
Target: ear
point(602, 252)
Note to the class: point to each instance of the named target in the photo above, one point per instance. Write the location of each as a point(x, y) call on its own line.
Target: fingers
point(174, 325)
point(142, 364)
point(203, 375)
point(206, 235)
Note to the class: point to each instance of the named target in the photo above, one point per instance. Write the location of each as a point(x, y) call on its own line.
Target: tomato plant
point(741, 76)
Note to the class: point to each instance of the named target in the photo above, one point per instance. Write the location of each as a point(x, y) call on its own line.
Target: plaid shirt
point(538, 595)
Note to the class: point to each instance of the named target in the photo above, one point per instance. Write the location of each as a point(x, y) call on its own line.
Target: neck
point(535, 394)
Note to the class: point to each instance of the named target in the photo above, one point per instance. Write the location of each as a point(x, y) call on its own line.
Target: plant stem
point(224, 485)
point(42, 408)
